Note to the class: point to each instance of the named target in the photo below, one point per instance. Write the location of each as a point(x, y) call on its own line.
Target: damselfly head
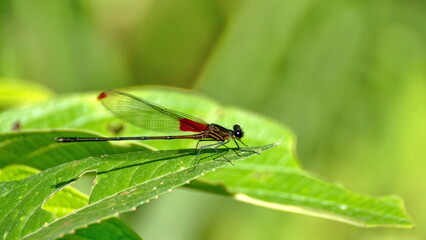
point(238, 132)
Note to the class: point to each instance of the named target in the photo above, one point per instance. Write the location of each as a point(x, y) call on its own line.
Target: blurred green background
point(348, 77)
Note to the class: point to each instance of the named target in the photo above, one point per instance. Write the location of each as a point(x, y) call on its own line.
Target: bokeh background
point(348, 77)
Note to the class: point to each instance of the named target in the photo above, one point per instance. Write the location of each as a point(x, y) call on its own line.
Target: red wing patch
point(191, 126)
point(102, 95)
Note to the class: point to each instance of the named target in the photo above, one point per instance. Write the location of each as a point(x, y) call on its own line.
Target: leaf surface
point(272, 179)
point(154, 173)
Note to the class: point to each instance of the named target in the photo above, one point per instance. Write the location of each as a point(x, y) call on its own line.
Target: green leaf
point(38, 148)
point(296, 191)
point(273, 179)
point(13, 92)
point(16, 172)
point(143, 176)
point(63, 202)
point(111, 229)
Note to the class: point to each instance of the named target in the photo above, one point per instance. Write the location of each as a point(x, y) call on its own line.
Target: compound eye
point(238, 132)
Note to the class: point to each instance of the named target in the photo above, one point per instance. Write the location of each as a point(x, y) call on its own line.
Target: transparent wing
point(144, 114)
